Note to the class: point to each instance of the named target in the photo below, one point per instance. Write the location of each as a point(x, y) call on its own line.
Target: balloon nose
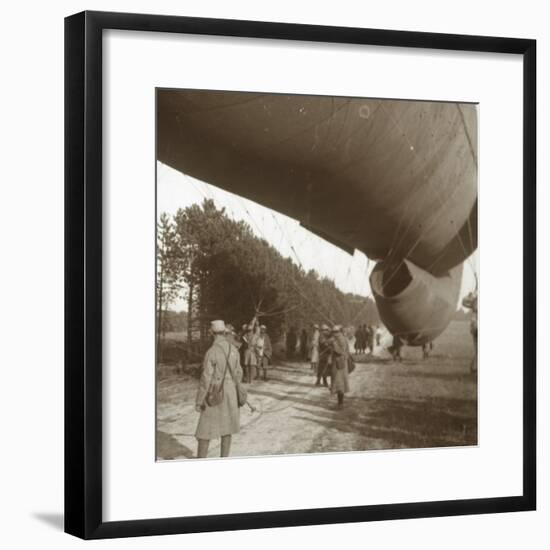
point(413, 303)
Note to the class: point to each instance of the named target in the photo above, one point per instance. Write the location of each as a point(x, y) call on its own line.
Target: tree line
point(222, 270)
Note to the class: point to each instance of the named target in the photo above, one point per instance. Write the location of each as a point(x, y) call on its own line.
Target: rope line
point(324, 315)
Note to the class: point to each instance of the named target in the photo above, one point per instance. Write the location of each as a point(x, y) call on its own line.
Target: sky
point(349, 273)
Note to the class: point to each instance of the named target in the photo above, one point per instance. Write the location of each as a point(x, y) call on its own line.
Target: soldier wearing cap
point(251, 356)
point(221, 365)
point(339, 383)
point(323, 367)
point(264, 351)
point(244, 344)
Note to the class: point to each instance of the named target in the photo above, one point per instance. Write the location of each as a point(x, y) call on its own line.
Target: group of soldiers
point(310, 345)
point(255, 349)
point(326, 348)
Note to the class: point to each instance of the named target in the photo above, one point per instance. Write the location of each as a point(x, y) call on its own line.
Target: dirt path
point(415, 404)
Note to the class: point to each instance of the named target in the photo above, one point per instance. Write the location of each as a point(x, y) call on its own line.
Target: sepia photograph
point(317, 274)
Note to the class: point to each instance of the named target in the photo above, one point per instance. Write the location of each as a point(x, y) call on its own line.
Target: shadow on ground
point(168, 447)
point(443, 375)
point(431, 422)
point(298, 397)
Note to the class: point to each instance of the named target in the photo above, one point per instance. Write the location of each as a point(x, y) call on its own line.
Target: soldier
point(363, 339)
point(250, 356)
point(369, 337)
point(427, 348)
point(339, 383)
point(221, 367)
point(244, 344)
point(323, 367)
point(470, 302)
point(395, 348)
point(378, 334)
point(314, 348)
point(264, 351)
point(357, 343)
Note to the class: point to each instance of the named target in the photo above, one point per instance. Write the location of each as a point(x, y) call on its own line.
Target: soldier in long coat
point(250, 355)
point(314, 348)
point(221, 365)
point(470, 302)
point(325, 351)
point(264, 351)
point(369, 337)
point(339, 383)
point(357, 343)
point(244, 344)
point(361, 337)
point(395, 348)
point(377, 335)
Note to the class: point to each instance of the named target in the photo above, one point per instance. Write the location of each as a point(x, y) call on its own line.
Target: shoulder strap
point(227, 365)
point(226, 361)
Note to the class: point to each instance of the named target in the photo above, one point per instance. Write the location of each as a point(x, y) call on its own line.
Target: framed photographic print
point(300, 275)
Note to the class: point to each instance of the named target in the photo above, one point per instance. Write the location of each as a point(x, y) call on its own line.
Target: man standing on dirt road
point(323, 366)
point(395, 348)
point(339, 383)
point(251, 365)
point(219, 410)
point(314, 348)
point(264, 350)
point(470, 302)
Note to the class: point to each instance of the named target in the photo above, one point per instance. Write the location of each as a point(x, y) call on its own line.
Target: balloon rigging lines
point(398, 239)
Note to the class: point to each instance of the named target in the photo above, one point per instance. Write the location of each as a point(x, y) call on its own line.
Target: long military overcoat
point(222, 419)
point(315, 346)
point(339, 381)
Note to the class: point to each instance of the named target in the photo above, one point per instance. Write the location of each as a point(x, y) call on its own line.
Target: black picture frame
point(83, 273)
